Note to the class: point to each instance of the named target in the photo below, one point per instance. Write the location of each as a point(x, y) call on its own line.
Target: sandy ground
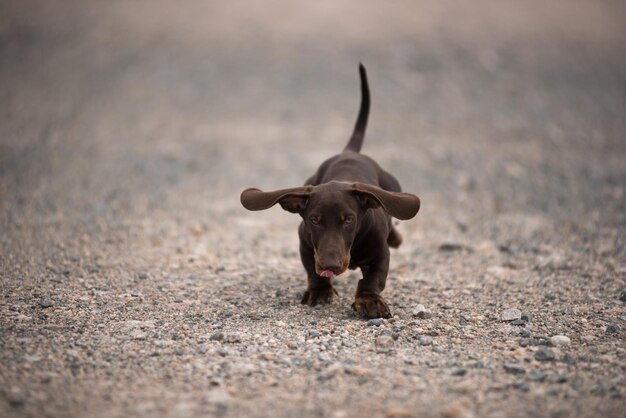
point(134, 284)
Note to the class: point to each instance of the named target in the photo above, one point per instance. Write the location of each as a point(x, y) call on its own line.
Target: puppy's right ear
point(293, 200)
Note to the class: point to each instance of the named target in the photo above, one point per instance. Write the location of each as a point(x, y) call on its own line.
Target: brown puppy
point(346, 209)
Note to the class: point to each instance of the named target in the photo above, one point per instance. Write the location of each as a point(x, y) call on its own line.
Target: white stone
point(421, 312)
point(510, 314)
point(559, 340)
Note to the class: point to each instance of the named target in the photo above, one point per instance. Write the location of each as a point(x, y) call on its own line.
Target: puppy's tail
point(361, 123)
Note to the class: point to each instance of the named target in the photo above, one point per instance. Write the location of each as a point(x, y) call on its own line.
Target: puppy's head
point(333, 213)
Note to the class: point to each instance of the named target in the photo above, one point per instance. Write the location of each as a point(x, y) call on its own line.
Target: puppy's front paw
point(321, 295)
point(371, 306)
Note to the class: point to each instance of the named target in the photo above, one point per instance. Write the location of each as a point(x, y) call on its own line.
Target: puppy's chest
point(360, 259)
point(366, 252)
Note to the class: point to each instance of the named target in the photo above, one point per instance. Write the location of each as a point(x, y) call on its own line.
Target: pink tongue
point(327, 273)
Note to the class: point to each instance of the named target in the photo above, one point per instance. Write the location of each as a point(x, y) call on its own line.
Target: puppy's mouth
point(327, 273)
point(331, 272)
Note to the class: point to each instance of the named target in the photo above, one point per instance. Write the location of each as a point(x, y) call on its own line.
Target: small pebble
point(544, 354)
point(524, 387)
point(331, 371)
point(514, 369)
point(518, 322)
point(47, 377)
point(536, 376)
point(510, 314)
point(421, 312)
point(459, 372)
point(217, 336)
point(314, 334)
point(559, 340)
point(73, 354)
point(557, 378)
point(399, 327)
point(349, 368)
point(450, 245)
point(375, 322)
point(425, 340)
point(16, 397)
point(538, 341)
point(45, 303)
point(324, 357)
point(143, 275)
point(384, 341)
point(234, 337)
point(612, 329)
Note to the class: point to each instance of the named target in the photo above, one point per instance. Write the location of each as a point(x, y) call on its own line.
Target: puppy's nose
point(334, 266)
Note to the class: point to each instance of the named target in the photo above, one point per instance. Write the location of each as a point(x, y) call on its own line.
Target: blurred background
point(479, 107)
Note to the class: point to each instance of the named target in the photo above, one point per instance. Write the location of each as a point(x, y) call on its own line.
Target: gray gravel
point(133, 283)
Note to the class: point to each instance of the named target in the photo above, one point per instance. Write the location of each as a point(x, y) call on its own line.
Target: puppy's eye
point(348, 220)
point(315, 220)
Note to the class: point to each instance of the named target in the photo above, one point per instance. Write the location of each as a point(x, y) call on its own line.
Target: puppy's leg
point(395, 238)
point(319, 290)
point(368, 303)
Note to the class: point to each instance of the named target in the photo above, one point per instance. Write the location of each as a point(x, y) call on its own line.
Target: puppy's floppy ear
point(292, 200)
point(397, 204)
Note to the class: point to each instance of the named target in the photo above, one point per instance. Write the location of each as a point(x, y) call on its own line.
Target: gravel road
point(133, 283)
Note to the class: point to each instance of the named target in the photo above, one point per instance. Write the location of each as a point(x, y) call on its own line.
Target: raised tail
point(361, 123)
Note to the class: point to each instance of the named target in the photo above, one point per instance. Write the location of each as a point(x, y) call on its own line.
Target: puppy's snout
point(332, 261)
point(332, 264)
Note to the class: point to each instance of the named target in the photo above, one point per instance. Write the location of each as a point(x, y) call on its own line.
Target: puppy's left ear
point(398, 204)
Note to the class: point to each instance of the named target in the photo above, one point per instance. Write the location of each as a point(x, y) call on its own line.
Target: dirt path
point(134, 284)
